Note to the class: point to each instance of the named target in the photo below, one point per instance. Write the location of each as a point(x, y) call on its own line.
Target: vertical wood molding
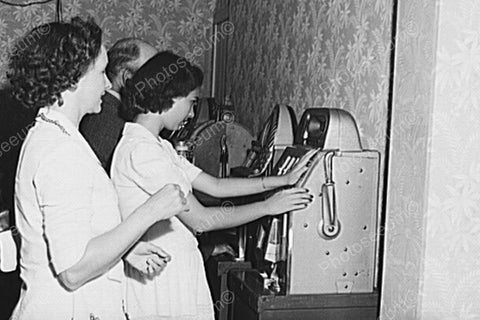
point(413, 98)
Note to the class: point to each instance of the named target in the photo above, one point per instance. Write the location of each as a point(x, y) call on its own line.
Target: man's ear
point(126, 74)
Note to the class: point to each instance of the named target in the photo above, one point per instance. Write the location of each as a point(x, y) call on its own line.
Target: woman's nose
point(108, 84)
point(191, 114)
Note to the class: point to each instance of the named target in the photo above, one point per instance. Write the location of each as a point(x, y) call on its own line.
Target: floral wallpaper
point(180, 25)
point(310, 53)
point(452, 251)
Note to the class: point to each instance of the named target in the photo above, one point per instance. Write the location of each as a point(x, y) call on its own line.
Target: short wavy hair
point(123, 55)
point(161, 79)
point(52, 58)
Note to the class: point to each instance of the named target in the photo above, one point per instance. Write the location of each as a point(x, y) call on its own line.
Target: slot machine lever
point(329, 226)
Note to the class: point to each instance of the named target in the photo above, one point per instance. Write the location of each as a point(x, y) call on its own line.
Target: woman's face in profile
point(93, 84)
point(181, 111)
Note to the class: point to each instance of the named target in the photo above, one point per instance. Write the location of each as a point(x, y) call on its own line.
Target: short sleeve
point(153, 169)
point(64, 185)
point(190, 169)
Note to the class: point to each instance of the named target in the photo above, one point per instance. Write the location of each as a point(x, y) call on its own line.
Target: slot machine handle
point(329, 226)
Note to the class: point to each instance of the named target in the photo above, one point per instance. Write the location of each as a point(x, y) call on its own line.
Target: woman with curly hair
point(160, 96)
point(66, 207)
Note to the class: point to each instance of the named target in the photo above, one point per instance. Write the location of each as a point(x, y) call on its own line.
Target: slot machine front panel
point(332, 243)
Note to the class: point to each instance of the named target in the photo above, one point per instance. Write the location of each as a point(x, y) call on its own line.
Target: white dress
point(63, 198)
point(142, 164)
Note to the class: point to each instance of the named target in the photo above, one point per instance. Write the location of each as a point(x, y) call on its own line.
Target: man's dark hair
point(52, 58)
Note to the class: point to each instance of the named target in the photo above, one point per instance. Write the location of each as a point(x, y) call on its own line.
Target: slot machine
point(277, 134)
point(220, 145)
point(319, 262)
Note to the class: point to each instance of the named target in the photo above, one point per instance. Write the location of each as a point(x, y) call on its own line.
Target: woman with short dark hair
point(160, 96)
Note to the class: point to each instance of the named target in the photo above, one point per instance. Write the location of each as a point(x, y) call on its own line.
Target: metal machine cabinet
point(332, 243)
point(319, 262)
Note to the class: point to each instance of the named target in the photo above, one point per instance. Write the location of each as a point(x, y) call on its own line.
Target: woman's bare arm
point(202, 219)
point(106, 250)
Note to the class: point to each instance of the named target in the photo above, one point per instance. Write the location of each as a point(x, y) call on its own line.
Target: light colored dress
point(63, 198)
point(142, 164)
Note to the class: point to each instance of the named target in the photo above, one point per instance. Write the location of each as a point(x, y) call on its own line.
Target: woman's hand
point(147, 258)
point(300, 168)
point(288, 200)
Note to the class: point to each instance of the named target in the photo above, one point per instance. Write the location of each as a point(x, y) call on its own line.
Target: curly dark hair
point(52, 58)
point(164, 77)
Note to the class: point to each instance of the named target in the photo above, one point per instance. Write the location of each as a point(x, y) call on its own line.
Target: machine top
point(328, 129)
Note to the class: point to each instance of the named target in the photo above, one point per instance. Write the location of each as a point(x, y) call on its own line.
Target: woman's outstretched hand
point(288, 200)
point(300, 168)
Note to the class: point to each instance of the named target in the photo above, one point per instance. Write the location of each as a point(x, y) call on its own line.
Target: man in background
point(103, 130)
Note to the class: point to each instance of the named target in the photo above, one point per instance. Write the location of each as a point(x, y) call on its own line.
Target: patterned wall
point(408, 159)
point(180, 25)
point(452, 254)
point(432, 252)
point(308, 53)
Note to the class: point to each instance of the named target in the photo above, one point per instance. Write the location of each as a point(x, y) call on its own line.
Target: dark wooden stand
point(250, 301)
point(223, 300)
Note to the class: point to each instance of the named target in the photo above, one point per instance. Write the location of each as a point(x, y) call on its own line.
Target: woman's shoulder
point(134, 152)
point(128, 145)
point(61, 157)
point(49, 143)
